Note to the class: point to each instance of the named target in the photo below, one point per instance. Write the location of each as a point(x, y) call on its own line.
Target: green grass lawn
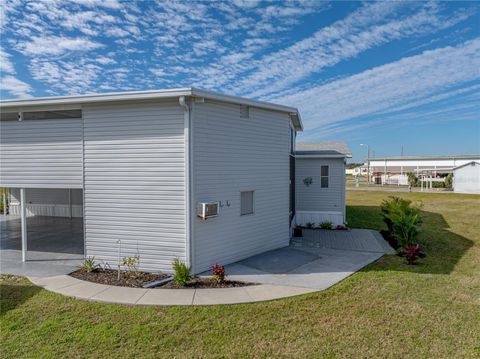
point(388, 309)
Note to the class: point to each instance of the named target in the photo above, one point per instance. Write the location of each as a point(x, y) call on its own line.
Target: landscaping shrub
point(412, 253)
point(449, 181)
point(402, 219)
point(131, 264)
point(218, 272)
point(89, 265)
point(310, 224)
point(182, 273)
point(412, 179)
point(326, 225)
point(438, 184)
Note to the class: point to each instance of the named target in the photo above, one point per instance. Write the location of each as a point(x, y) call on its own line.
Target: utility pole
point(402, 152)
point(368, 161)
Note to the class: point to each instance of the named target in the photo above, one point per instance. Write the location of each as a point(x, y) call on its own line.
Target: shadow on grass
point(443, 247)
point(14, 295)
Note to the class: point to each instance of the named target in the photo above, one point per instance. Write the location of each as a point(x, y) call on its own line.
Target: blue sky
point(389, 74)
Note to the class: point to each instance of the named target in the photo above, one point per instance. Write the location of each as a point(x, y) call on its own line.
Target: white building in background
point(394, 170)
point(357, 171)
point(466, 178)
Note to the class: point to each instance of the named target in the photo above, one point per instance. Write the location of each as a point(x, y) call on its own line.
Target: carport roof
point(78, 100)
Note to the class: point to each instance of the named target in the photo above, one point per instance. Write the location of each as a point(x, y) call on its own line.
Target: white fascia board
point(292, 111)
point(91, 98)
point(75, 101)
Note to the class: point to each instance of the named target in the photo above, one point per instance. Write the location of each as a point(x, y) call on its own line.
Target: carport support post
point(70, 203)
point(23, 214)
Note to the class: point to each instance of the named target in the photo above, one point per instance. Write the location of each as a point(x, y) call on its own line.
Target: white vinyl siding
point(41, 153)
point(134, 183)
point(232, 155)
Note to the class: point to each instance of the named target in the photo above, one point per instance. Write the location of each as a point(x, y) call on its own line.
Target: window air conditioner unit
point(207, 210)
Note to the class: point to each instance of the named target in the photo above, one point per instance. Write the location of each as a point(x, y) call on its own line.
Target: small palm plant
point(182, 273)
point(89, 265)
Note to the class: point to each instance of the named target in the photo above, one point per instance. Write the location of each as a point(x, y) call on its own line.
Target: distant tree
point(412, 179)
point(449, 180)
point(353, 165)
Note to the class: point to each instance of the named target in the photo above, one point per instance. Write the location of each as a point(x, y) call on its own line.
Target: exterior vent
point(244, 111)
point(207, 210)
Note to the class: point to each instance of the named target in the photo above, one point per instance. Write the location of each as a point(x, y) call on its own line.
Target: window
point(324, 177)
point(246, 203)
point(244, 111)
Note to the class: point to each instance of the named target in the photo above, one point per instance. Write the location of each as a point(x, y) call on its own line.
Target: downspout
point(186, 128)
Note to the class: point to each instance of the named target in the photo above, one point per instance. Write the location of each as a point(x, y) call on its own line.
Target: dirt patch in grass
point(110, 277)
point(201, 282)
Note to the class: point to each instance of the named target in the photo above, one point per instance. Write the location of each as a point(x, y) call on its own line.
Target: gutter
point(186, 116)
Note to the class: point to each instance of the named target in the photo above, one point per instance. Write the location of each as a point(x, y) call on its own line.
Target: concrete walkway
point(73, 287)
point(313, 263)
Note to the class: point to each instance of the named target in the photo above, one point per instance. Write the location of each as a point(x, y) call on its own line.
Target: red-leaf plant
point(218, 272)
point(412, 253)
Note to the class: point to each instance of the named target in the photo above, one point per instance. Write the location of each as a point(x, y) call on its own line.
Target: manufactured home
point(182, 173)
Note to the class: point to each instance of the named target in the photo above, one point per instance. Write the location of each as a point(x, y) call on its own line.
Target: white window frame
point(253, 203)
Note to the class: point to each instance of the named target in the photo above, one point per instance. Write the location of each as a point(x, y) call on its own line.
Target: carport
point(41, 156)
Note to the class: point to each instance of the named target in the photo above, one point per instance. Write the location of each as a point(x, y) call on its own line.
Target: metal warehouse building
point(393, 170)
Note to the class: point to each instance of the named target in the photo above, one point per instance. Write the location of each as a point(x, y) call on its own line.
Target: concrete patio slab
point(355, 239)
point(279, 261)
point(167, 297)
point(55, 246)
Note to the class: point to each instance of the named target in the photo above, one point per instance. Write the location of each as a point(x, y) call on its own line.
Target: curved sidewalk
point(313, 263)
point(80, 289)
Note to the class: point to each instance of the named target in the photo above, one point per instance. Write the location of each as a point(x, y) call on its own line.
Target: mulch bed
point(110, 277)
point(198, 283)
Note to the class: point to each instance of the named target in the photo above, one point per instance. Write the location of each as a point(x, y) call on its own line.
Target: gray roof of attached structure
point(328, 149)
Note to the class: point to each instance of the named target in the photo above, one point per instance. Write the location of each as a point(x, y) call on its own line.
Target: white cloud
point(391, 87)
point(15, 87)
point(116, 32)
point(104, 60)
point(57, 45)
point(6, 65)
point(69, 77)
point(362, 30)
